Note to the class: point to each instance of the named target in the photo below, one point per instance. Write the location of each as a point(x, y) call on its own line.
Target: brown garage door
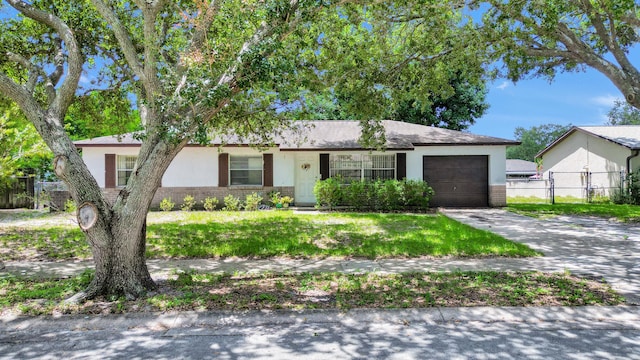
point(458, 181)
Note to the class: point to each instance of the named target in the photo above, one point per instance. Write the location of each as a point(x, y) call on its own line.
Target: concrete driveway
point(590, 246)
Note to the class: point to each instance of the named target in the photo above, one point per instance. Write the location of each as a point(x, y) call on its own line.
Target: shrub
point(631, 194)
point(70, 206)
point(274, 197)
point(382, 195)
point(252, 201)
point(231, 203)
point(188, 203)
point(286, 200)
point(389, 195)
point(357, 195)
point(328, 192)
point(633, 181)
point(416, 193)
point(166, 204)
point(210, 203)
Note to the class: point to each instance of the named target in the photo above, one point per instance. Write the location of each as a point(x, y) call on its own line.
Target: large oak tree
point(544, 37)
point(198, 69)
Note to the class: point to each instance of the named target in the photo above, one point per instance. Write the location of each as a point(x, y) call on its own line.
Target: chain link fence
point(568, 187)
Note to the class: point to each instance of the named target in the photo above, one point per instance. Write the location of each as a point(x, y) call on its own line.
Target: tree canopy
point(197, 69)
point(22, 151)
point(542, 38)
point(534, 140)
point(623, 114)
point(456, 111)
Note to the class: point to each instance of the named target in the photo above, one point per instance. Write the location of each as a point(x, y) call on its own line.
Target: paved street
point(587, 246)
point(467, 333)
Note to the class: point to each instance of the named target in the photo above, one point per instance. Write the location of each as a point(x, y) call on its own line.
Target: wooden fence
point(19, 194)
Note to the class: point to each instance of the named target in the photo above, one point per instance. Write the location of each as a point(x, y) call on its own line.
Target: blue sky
point(579, 98)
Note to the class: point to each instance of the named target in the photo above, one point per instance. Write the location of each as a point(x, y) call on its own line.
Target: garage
point(458, 181)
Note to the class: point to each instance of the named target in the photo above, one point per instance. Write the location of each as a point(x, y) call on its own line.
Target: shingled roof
point(623, 135)
point(341, 135)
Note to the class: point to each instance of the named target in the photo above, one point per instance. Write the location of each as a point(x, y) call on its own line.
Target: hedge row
point(379, 195)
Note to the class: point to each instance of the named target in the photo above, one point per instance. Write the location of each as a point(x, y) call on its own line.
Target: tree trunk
point(120, 267)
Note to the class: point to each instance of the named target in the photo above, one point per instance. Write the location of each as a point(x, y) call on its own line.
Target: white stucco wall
point(94, 158)
point(194, 166)
point(198, 166)
point(527, 188)
point(497, 159)
point(580, 152)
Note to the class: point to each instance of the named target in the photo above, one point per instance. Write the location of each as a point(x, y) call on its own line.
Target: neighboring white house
point(520, 169)
point(464, 169)
point(591, 159)
point(523, 180)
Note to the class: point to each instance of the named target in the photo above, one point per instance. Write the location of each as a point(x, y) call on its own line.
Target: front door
point(307, 172)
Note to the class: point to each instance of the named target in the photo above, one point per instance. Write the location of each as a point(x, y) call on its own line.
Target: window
point(124, 168)
point(363, 167)
point(245, 170)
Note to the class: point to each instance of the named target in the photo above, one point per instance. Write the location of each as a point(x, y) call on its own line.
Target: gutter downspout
point(635, 153)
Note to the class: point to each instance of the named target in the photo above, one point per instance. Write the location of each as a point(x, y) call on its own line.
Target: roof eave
point(576, 128)
point(488, 143)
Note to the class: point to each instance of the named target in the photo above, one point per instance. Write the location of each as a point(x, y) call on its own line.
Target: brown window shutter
point(268, 170)
point(401, 166)
point(324, 166)
point(109, 170)
point(223, 170)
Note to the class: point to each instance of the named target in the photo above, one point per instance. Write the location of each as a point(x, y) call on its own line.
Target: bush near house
point(630, 195)
point(378, 195)
point(210, 203)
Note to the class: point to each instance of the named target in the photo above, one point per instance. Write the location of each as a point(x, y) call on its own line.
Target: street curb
point(609, 316)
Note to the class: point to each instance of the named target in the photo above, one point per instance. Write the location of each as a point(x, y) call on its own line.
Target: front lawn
point(627, 213)
point(265, 234)
point(200, 292)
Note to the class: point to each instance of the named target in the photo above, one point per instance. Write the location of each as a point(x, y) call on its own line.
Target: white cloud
point(84, 80)
point(503, 85)
point(605, 100)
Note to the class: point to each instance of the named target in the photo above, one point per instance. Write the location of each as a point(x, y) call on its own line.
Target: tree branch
point(35, 72)
point(122, 35)
point(150, 10)
point(58, 60)
point(609, 38)
point(21, 96)
point(74, 58)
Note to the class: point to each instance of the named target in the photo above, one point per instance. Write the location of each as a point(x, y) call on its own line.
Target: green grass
point(199, 291)
point(266, 234)
point(625, 213)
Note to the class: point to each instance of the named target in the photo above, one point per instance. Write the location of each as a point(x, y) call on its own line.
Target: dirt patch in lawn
point(200, 292)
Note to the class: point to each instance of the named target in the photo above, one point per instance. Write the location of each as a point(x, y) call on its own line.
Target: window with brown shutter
point(223, 170)
point(109, 170)
point(401, 166)
point(268, 169)
point(324, 166)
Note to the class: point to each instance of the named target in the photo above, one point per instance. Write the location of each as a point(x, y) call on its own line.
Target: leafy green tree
point(534, 140)
point(455, 111)
point(406, 59)
point(623, 114)
point(101, 113)
point(22, 151)
point(542, 38)
point(197, 68)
